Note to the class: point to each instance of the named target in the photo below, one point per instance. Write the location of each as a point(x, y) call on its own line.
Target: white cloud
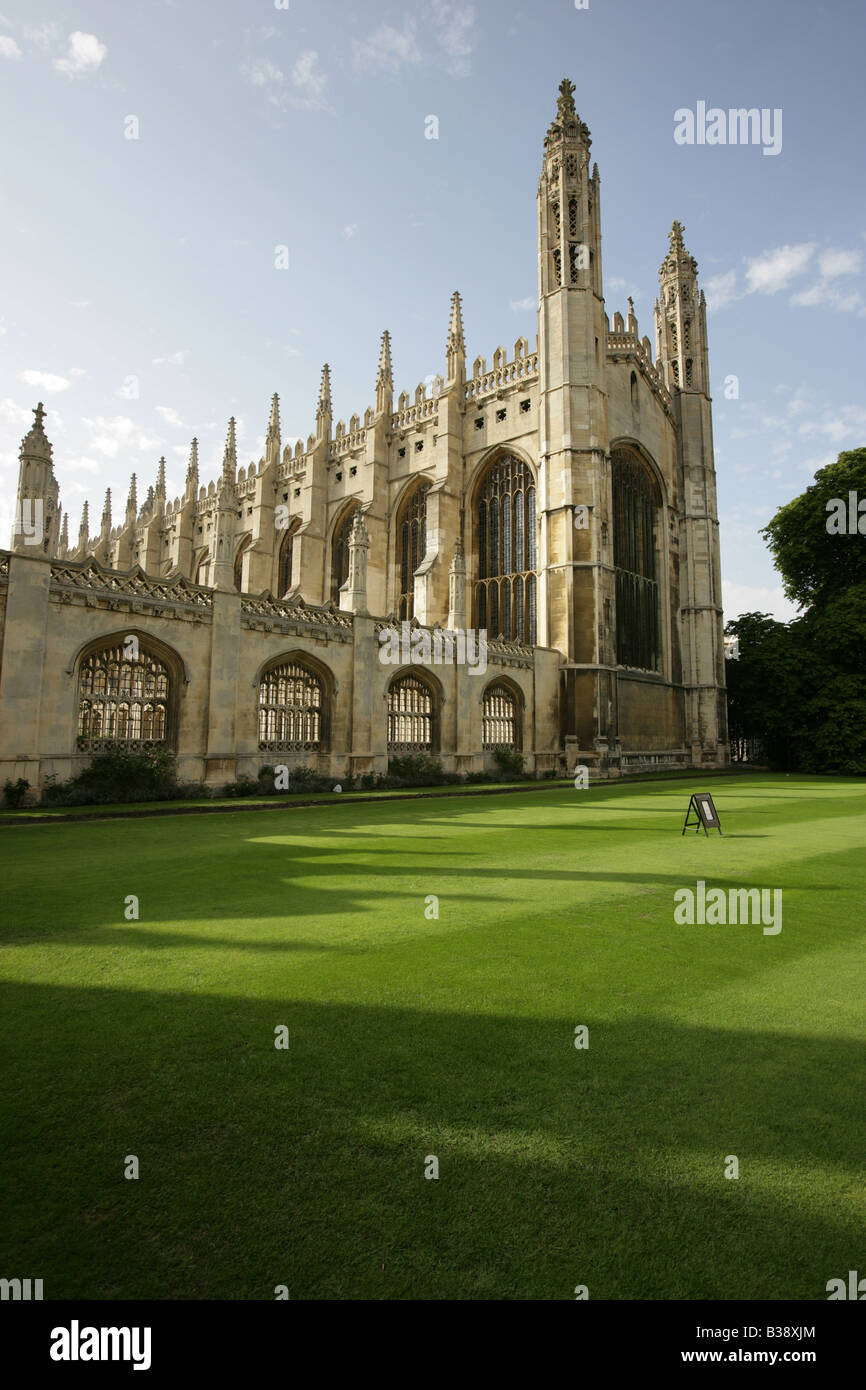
point(77, 371)
point(46, 381)
point(13, 414)
point(110, 434)
point(747, 598)
point(452, 24)
point(170, 416)
point(349, 231)
point(174, 359)
point(832, 263)
point(85, 54)
point(83, 464)
point(3, 328)
point(43, 34)
point(828, 295)
point(8, 47)
point(520, 305)
point(261, 71)
point(721, 290)
point(774, 270)
point(308, 83)
point(387, 49)
point(847, 423)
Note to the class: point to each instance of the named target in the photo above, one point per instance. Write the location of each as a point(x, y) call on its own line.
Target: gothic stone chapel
point(563, 500)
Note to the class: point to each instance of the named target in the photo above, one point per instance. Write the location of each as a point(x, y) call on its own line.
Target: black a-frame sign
point(706, 815)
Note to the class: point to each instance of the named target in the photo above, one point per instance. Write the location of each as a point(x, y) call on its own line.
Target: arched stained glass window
point(636, 504)
point(500, 718)
point(506, 526)
point(123, 700)
point(410, 716)
point(291, 709)
point(411, 545)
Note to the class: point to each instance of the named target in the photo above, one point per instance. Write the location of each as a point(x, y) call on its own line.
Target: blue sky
point(261, 126)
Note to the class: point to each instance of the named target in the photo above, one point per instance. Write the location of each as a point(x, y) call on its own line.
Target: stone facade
point(561, 499)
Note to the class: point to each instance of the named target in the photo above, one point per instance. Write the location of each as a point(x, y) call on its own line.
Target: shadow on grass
point(305, 1167)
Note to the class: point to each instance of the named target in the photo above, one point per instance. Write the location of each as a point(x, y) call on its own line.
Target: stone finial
point(567, 122)
point(35, 444)
point(64, 533)
point(84, 528)
point(192, 470)
point(455, 347)
point(132, 500)
point(274, 421)
point(324, 406)
point(565, 105)
point(455, 325)
point(457, 589)
point(677, 255)
point(385, 377)
point(353, 594)
point(230, 458)
point(385, 374)
point(106, 511)
point(160, 478)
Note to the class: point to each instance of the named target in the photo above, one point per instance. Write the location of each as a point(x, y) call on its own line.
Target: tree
point(815, 562)
point(799, 688)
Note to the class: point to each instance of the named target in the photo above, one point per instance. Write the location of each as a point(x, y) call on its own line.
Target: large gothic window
point(284, 563)
point(506, 589)
point(340, 552)
point(291, 709)
point(500, 718)
point(411, 545)
point(636, 504)
point(123, 700)
point(411, 716)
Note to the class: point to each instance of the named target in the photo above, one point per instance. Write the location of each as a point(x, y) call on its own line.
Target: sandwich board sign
point(706, 815)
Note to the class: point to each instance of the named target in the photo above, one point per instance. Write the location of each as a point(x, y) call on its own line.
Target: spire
point(323, 410)
point(455, 347)
point(384, 378)
point(160, 479)
point(84, 530)
point(324, 407)
point(131, 502)
point(230, 458)
point(106, 513)
point(274, 421)
point(64, 533)
point(192, 471)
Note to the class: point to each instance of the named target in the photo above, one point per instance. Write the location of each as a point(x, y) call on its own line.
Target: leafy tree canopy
point(815, 549)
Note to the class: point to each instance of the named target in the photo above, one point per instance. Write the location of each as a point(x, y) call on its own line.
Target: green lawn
point(453, 1037)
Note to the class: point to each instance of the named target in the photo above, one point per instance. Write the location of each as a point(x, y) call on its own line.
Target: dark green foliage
point(799, 688)
point(509, 761)
point(816, 564)
point(14, 793)
point(120, 776)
